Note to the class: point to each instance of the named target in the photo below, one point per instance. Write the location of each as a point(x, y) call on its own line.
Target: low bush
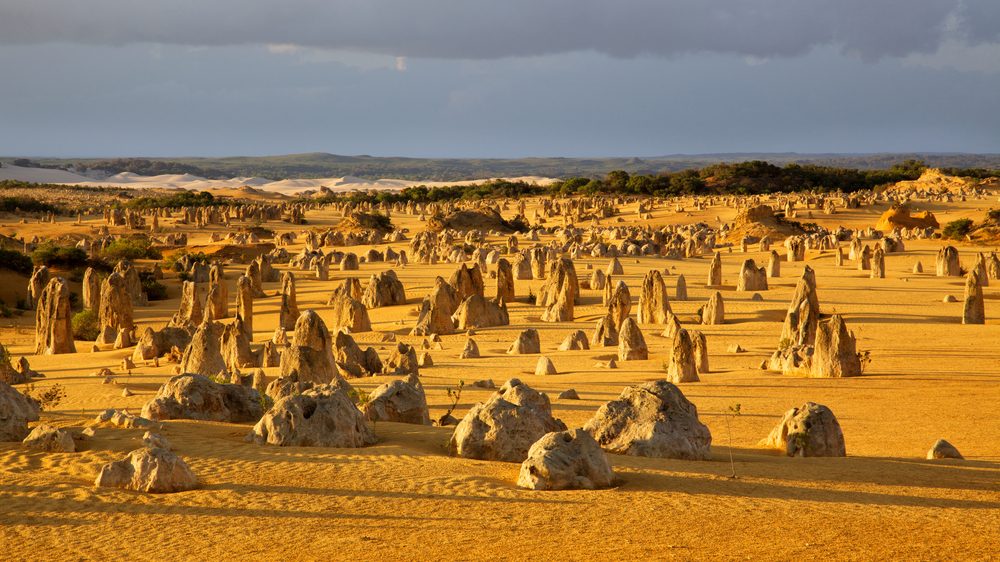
point(130, 249)
point(85, 325)
point(957, 229)
point(15, 261)
point(51, 255)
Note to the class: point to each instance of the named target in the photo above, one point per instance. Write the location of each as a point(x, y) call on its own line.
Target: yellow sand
point(405, 498)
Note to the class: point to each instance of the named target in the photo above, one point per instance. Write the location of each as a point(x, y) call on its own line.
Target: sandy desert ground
point(405, 498)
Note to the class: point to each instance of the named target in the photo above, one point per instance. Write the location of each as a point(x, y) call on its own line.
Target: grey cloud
point(491, 29)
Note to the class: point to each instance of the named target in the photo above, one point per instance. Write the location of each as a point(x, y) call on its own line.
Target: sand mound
point(900, 216)
point(760, 221)
point(482, 219)
point(364, 222)
point(934, 180)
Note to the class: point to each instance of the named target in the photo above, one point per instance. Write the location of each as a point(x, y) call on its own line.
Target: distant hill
point(319, 165)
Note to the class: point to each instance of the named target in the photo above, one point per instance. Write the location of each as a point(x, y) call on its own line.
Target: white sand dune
point(192, 182)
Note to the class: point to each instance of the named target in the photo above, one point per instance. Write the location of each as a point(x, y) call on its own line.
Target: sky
point(500, 78)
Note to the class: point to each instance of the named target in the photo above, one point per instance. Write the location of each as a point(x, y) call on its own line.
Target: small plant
point(784, 344)
point(359, 397)
point(532, 297)
point(454, 394)
point(865, 358)
point(48, 398)
point(733, 411)
point(155, 291)
point(85, 325)
point(957, 229)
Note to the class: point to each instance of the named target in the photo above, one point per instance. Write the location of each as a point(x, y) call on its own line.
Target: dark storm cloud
point(478, 29)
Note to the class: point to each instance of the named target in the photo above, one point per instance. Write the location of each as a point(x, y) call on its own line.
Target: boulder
point(384, 289)
point(714, 311)
point(310, 358)
point(575, 341)
point(652, 420)
point(544, 366)
point(398, 401)
point(504, 427)
point(197, 397)
point(479, 312)
point(350, 314)
point(115, 315)
point(322, 416)
point(527, 342)
point(203, 356)
point(631, 343)
point(50, 439)
point(835, 352)
point(810, 430)
point(16, 410)
point(565, 460)
point(943, 450)
point(153, 470)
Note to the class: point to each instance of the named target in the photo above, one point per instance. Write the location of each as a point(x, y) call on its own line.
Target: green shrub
point(957, 229)
point(85, 325)
point(130, 249)
point(15, 261)
point(59, 256)
point(155, 291)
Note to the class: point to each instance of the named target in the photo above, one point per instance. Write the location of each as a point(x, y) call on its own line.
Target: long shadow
point(658, 482)
point(386, 494)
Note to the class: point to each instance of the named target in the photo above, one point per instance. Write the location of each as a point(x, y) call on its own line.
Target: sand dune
point(192, 182)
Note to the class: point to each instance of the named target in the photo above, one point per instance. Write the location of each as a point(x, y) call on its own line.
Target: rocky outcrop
point(322, 416)
point(244, 303)
point(715, 271)
point(682, 366)
point(803, 312)
point(810, 430)
point(479, 312)
point(527, 342)
point(619, 303)
point(398, 401)
point(752, 278)
point(631, 343)
point(91, 289)
point(115, 316)
point(50, 439)
point(197, 397)
point(384, 289)
point(714, 311)
point(191, 312)
point(504, 427)
point(505, 281)
point(652, 420)
point(153, 470)
point(310, 357)
point(53, 319)
point(947, 263)
point(350, 314)
point(402, 361)
point(575, 341)
point(943, 450)
point(468, 281)
point(288, 314)
point(560, 292)
point(654, 306)
point(605, 333)
point(835, 352)
point(16, 411)
point(565, 460)
point(203, 356)
point(974, 308)
point(436, 311)
point(153, 343)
